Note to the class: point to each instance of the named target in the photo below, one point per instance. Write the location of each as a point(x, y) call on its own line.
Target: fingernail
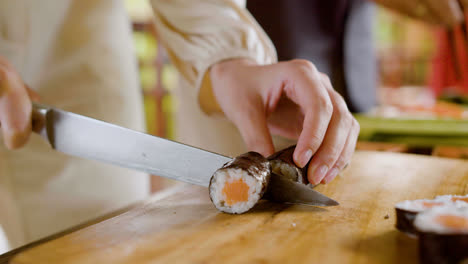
point(319, 173)
point(305, 158)
point(333, 173)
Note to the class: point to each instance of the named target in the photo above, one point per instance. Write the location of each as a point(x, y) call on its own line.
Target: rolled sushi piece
point(406, 211)
point(282, 163)
point(443, 234)
point(240, 184)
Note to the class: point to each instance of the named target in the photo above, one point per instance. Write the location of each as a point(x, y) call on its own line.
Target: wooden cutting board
point(184, 227)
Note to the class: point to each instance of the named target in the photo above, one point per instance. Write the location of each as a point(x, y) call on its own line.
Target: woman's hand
point(441, 12)
point(15, 106)
point(291, 99)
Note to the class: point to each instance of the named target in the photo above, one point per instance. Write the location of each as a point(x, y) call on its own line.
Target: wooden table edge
point(8, 256)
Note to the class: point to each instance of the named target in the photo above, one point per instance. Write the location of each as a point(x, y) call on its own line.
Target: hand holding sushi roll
point(291, 99)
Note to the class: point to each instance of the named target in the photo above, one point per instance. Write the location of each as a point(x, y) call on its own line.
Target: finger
point(305, 88)
point(33, 95)
point(326, 81)
point(252, 125)
point(448, 11)
point(15, 109)
point(333, 143)
point(346, 155)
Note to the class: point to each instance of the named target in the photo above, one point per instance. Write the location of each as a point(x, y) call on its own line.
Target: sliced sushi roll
point(443, 234)
point(240, 184)
point(406, 212)
point(282, 163)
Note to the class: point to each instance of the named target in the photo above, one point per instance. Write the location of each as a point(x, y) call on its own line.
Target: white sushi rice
point(221, 177)
point(426, 221)
point(417, 205)
point(448, 198)
point(284, 169)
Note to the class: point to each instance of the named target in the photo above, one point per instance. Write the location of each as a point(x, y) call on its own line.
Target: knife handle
point(39, 117)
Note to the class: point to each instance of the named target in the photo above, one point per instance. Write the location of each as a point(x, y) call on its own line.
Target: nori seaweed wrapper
point(285, 158)
point(443, 248)
point(405, 221)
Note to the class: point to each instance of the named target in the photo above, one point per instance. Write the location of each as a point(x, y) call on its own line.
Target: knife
point(88, 138)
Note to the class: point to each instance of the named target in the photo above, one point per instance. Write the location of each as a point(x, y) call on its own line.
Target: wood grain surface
point(184, 227)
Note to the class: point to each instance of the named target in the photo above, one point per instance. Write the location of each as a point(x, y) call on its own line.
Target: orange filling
point(236, 191)
point(453, 221)
point(463, 199)
point(431, 204)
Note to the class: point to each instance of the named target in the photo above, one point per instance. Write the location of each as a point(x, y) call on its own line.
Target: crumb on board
point(293, 224)
point(386, 216)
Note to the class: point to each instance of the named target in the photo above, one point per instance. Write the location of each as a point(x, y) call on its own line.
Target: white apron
point(78, 55)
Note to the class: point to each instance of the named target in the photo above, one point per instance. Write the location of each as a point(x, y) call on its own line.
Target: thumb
point(254, 131)
point(15, 118)
point(15, 107)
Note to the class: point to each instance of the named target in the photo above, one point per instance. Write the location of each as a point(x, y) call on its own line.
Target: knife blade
point(282, 190)
point(88, 138)
point(93, 139)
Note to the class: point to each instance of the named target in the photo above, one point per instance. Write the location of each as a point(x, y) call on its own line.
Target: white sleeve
point(199, 33)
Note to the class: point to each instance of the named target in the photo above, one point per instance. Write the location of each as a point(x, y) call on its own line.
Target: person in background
point(77, 55)
point(336, 36)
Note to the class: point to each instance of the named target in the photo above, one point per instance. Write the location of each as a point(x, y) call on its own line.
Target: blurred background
point(413, 115)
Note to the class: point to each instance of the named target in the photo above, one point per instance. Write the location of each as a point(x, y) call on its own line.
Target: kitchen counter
point(182, 226)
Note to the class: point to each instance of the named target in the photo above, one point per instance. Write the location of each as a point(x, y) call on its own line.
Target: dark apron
point(336, 35)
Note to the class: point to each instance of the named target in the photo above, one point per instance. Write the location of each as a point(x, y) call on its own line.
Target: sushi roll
point(406, 212)
point(240, 184)
point(282, 163)
point(443, 234)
